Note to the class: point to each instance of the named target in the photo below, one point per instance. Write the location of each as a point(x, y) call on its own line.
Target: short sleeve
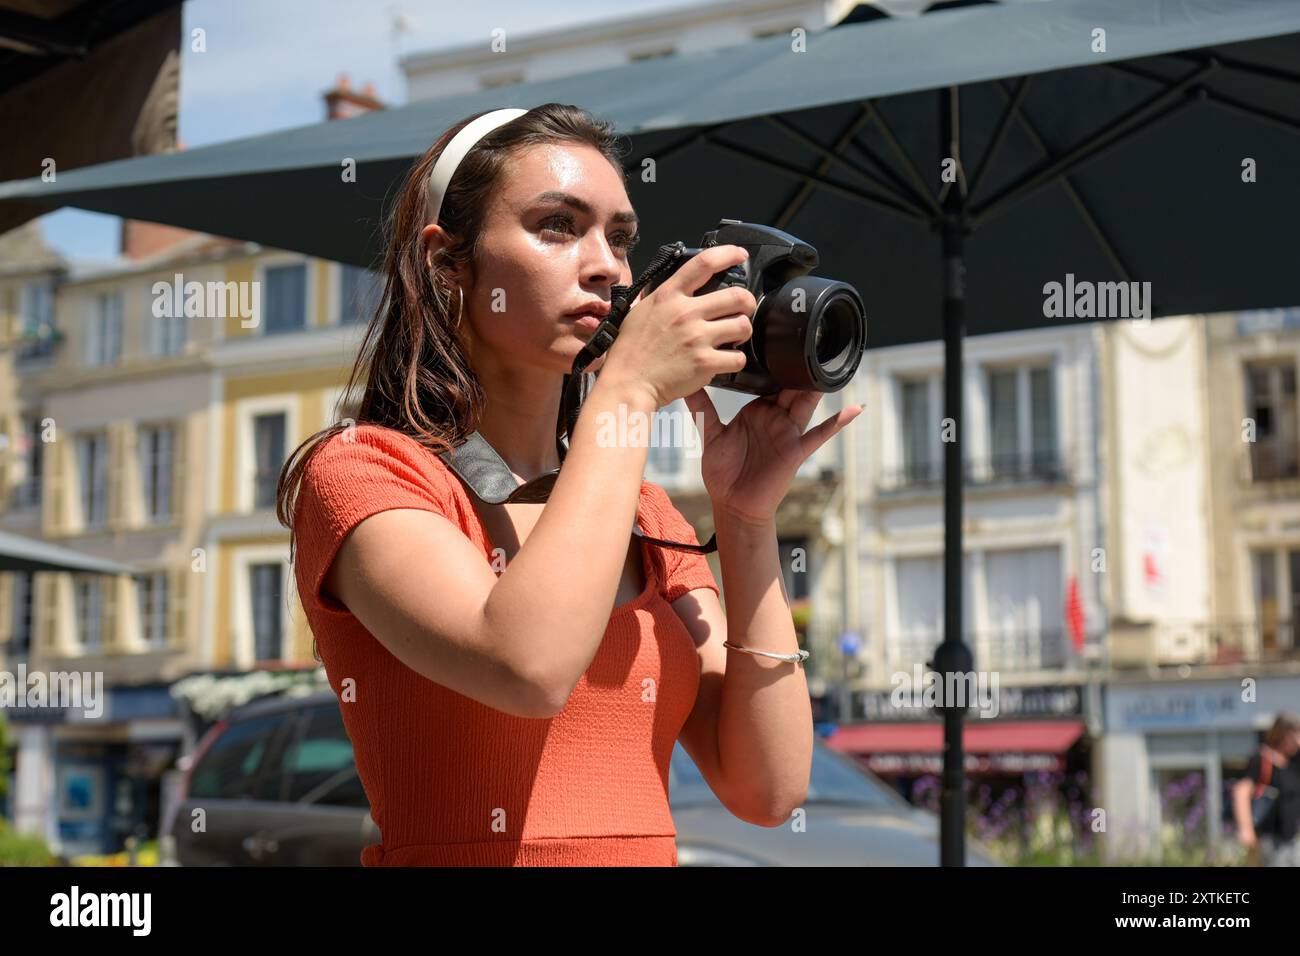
point(351, 477)
point(683, 571)
point(1252, 768)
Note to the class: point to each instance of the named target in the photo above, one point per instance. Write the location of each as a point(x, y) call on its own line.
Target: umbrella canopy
point(27, 554)
point(1130, 170)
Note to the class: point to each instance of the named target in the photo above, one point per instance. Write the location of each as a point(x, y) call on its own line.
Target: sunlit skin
point(750, 732)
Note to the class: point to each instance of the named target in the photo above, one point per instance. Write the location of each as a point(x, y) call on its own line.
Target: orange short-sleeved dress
point(453, 782)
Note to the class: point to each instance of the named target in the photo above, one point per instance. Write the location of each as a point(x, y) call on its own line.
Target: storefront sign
point(1013, 702)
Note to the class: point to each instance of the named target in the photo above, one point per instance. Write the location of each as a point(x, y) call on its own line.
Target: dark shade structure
point(18, 553)
point(951, 167)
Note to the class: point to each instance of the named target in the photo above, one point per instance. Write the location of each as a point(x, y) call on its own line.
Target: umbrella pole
point(952, 657)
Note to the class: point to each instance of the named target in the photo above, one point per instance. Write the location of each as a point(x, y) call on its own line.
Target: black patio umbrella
point(1101, 141)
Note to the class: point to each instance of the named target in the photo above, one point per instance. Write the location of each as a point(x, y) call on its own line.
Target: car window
point(229, 768)
point(319, 763)
point(833, 780)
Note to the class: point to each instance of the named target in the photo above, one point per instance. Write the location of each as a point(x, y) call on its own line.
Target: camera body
point(809, 332)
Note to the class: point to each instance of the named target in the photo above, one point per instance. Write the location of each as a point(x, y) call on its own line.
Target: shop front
point(1171, 752)
point(85, 784)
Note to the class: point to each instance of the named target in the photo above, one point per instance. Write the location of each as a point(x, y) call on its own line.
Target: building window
point(359, 293)
point(37, 311)
point(92, 460)
point(24, 584)
point(151, 591)
point(1025, 608)
point(104, 333)
point(1271, 404)
point(1022, 423)
point(170, 333)
point(266, 587)
point(919, 432)
point(268, 451)
point(89, 613)
point(285, 300)
point(28, 493)
point(156, 471)
point(916, 624)
point(1276, 581)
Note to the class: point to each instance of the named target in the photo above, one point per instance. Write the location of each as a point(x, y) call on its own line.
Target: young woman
point(1275, 840)
point(514, 676)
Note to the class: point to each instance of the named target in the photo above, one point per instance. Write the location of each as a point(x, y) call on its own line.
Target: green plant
point(21, 849)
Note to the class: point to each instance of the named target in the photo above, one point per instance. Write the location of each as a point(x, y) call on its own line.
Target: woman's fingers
point(810, 441)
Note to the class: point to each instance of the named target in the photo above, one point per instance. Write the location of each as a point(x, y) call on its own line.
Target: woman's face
point(555, 240)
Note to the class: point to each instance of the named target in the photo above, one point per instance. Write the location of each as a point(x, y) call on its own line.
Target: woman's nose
point(599, 260)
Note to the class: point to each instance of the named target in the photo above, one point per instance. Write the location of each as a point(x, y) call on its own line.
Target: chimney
point(143, 240)
point(343, 102)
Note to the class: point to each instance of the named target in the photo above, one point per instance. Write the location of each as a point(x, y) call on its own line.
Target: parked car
point(275, 785)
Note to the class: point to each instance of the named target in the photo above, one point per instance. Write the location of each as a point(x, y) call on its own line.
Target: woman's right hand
point(669, 341)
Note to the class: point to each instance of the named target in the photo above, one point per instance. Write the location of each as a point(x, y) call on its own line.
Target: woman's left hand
point(750, 463)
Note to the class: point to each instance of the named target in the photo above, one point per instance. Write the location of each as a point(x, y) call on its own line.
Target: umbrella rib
point(923, 191)
point(832, 155)
point(1232, 63)
point(1085, 213)
point(830, 185)
point(1129, 123)
point(1287, 123)
point(1004, 123)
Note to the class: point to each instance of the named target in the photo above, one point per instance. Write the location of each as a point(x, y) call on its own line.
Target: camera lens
point(833, 340)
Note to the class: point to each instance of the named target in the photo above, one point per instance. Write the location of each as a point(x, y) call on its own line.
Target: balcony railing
point(1007, 649)
point(1211, 642)
point(1049, 466)
point(1270, 460)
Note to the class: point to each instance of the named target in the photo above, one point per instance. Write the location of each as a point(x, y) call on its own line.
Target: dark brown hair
point(418, 379)
point(1285, 723)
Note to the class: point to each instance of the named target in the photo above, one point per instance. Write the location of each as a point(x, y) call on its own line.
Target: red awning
point(978, 737)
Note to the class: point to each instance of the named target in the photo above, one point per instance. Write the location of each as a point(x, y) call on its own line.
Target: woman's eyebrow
point(584, 207)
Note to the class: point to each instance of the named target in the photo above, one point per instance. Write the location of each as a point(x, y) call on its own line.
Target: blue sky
point(267, 64)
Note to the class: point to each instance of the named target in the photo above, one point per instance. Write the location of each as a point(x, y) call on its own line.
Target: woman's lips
point(586, 320)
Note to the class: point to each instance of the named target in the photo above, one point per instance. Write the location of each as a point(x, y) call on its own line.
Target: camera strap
point(576, 386)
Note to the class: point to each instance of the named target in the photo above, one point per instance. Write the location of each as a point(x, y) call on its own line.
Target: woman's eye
point(564, 226)
point(550, 225)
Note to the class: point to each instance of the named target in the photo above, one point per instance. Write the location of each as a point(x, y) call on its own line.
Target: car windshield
point(834, 779)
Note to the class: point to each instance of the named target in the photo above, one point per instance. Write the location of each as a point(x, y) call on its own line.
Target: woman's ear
point(432, 239)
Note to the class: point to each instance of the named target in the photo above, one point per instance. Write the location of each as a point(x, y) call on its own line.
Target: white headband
point(461, 144)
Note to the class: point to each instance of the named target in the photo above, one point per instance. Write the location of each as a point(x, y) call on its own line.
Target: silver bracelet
point(799, 656)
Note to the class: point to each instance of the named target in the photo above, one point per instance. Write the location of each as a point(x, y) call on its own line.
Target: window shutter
point(129, 466)
point(178, 450)
point(178, 581)
point(108, 632)
point(116, 517)
point(7, 588)
point(54, 509)
point(48, 585)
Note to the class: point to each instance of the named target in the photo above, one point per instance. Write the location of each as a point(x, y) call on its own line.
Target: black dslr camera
point(809, 332)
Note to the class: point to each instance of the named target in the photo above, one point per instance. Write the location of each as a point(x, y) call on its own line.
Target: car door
point(320, 815)
point(220, 806)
